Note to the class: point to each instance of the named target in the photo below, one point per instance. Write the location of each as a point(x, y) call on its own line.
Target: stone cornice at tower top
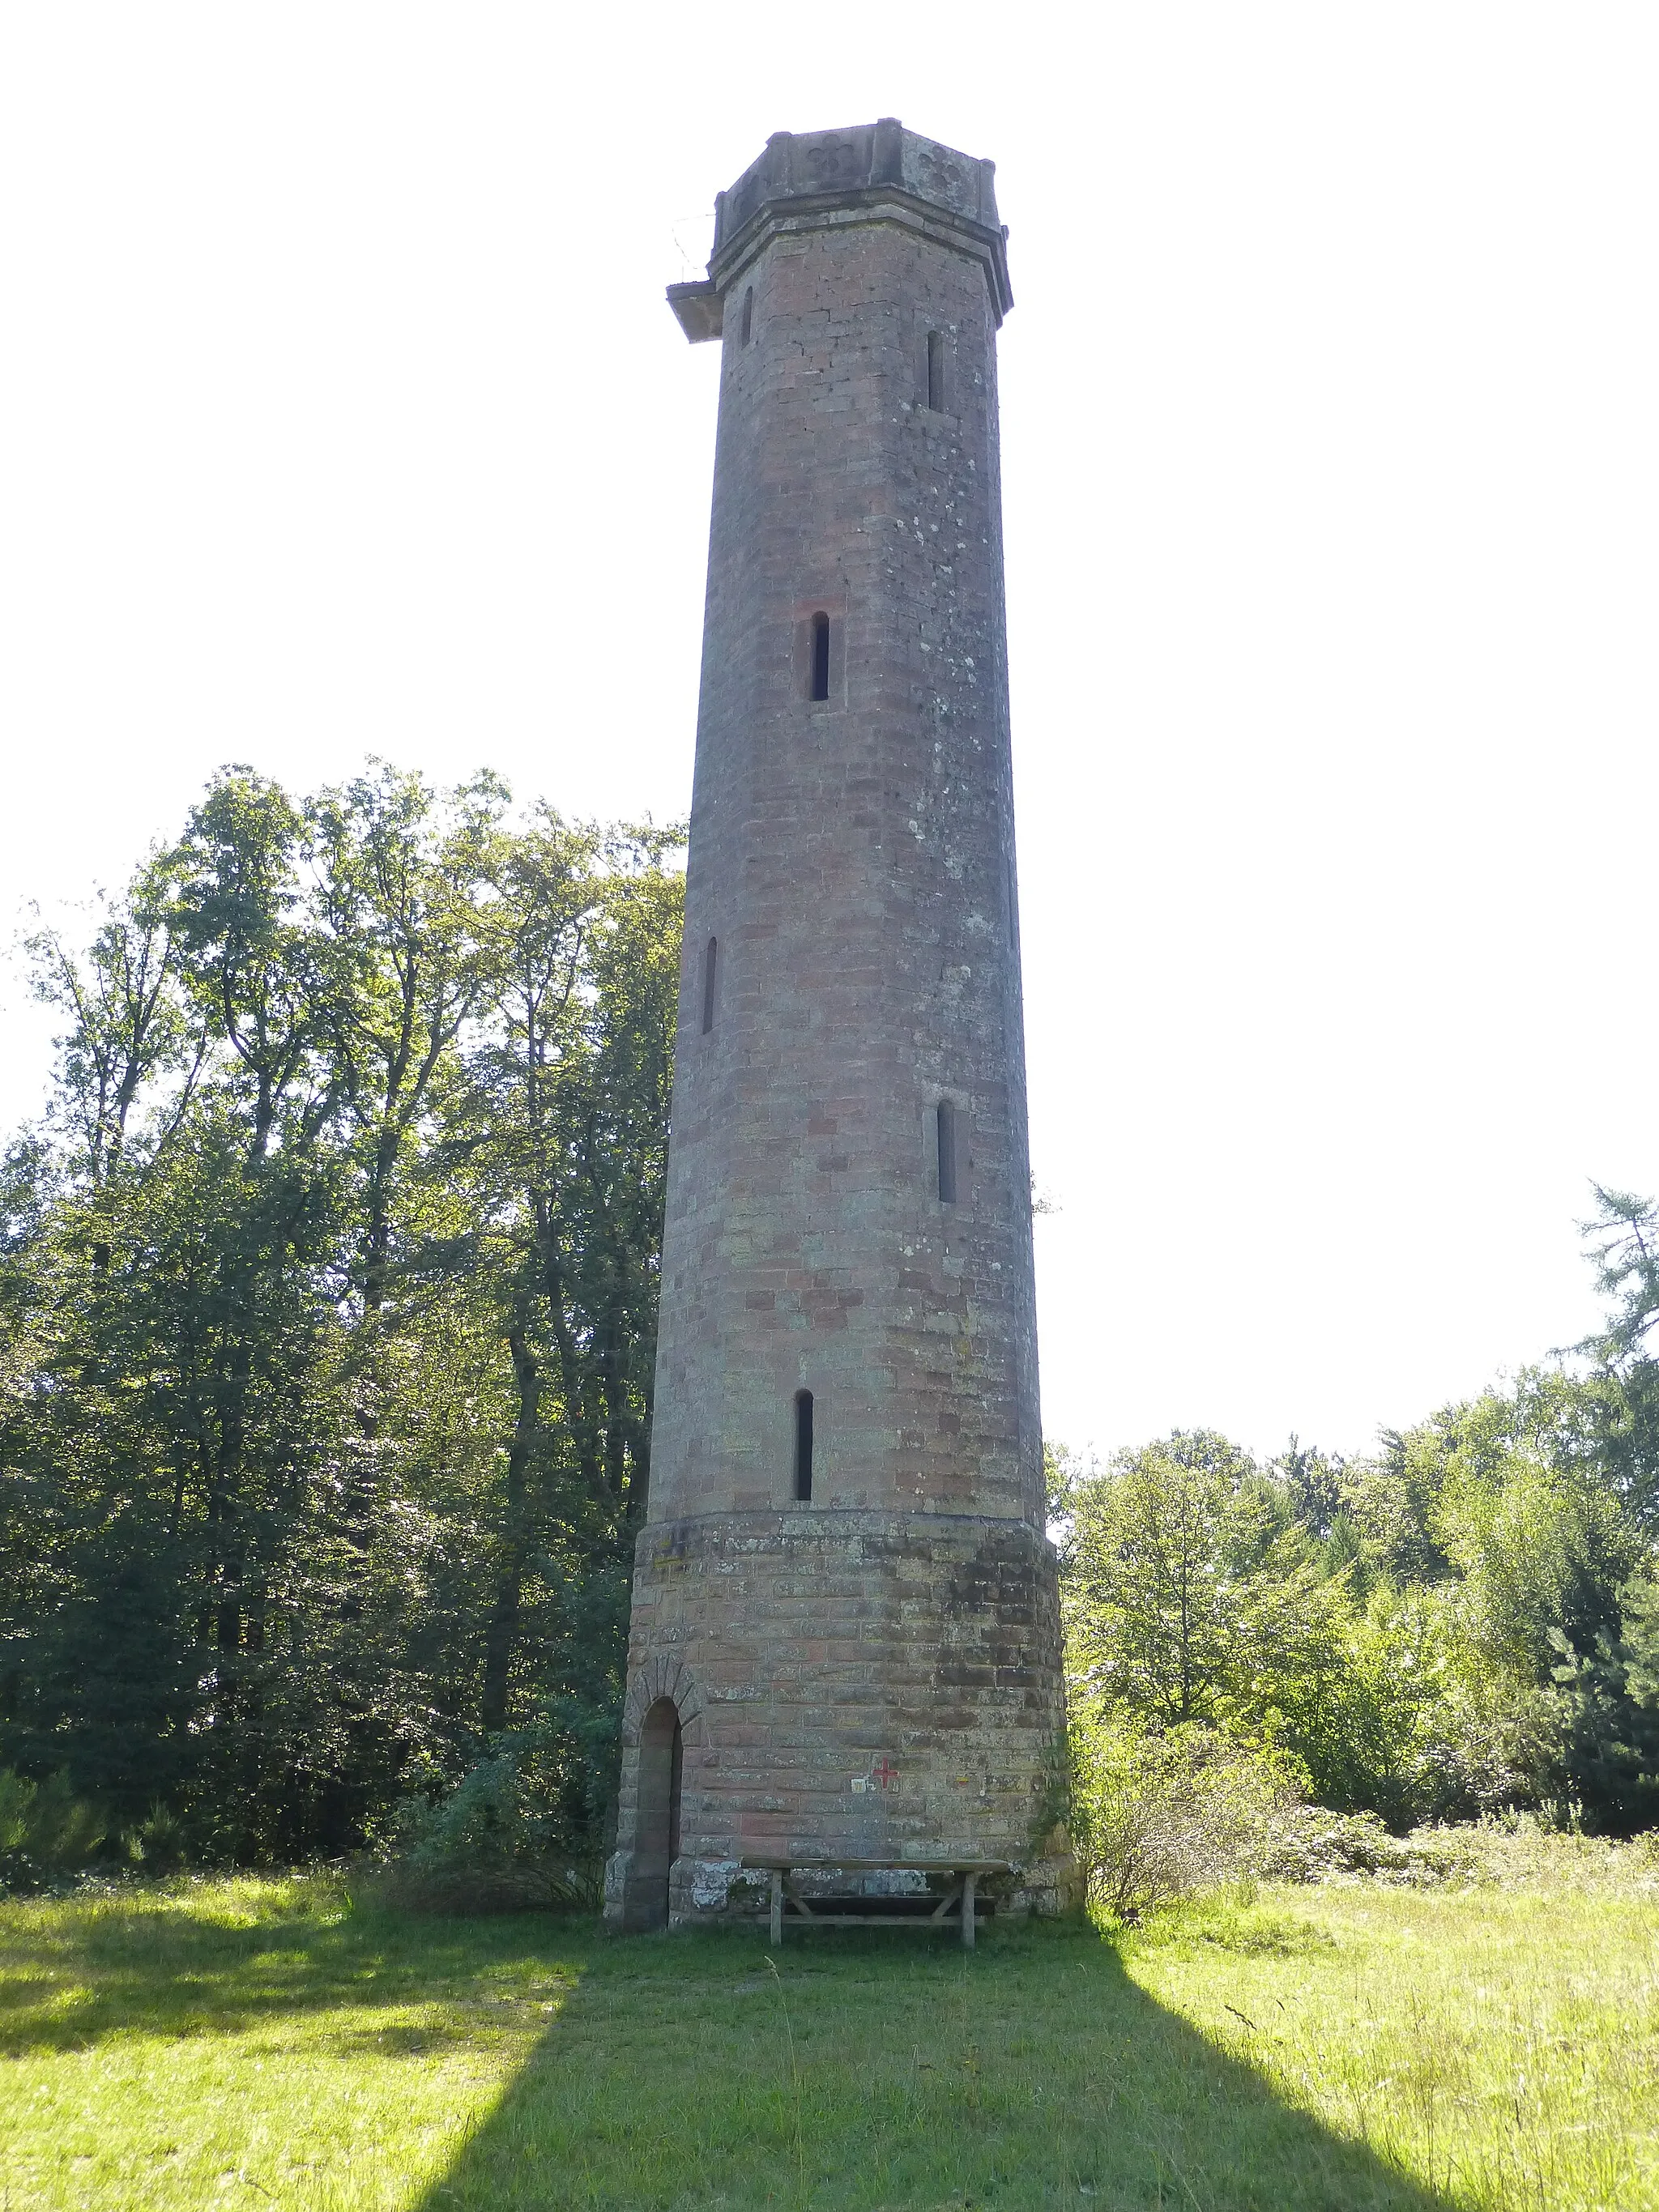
point(818, 179)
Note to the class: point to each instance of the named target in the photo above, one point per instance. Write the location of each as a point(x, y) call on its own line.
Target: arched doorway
point(657, 1829)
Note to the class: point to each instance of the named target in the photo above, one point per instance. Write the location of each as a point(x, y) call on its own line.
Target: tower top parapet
point(812, 180)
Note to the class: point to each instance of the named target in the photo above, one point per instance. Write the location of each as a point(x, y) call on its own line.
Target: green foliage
point(1623, 1240)
point(157, 1844)
point(501, 1840)
point(1153, 1553)
point(1156, 1815)
point(327, 1314)
point(1607, 1699)
point(1316, 1845)
point(46, 1831)
point(1196, 1595)
point(1451, 1628)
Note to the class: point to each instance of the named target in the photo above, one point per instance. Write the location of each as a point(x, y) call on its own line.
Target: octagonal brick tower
point(845, 1636)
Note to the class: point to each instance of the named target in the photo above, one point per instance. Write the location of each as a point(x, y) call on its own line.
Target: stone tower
point(845, 1630)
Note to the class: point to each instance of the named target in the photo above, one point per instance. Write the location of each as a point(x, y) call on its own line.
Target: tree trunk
point(502, 1630)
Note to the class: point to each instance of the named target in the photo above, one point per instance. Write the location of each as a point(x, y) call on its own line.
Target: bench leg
point(777, 1905)
point(968, 1911)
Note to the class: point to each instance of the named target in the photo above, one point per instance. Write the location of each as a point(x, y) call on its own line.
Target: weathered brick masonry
point(874, 1670)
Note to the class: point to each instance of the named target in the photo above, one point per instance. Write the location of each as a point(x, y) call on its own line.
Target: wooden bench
point(963, 1876)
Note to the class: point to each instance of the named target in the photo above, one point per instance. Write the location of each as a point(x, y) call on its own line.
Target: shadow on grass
point(161, 1966)
point(872, 2070)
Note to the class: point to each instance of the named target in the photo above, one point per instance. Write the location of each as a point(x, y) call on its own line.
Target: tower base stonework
point(846, 1684)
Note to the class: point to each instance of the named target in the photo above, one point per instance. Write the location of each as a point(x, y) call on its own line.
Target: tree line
point(328, 1286)
point(327, 1302)
point(1463, 1623)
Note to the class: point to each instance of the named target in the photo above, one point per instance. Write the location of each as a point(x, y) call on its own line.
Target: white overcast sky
point(340, 413)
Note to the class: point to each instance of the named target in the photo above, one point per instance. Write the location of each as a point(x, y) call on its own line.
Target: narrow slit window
point(710, 964)
point(936, 371)
point(820, 658)
point(947, 1152)
point(748, 314)
point(804, 1447)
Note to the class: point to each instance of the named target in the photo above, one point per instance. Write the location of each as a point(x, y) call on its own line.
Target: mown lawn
point(245, 2043)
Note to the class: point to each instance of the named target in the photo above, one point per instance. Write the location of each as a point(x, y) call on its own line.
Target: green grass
point(244, 2042)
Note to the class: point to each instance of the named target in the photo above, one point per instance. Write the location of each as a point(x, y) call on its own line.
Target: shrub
point(46, 1831)
point(156, 1845)
point(1316, 1845)
point(1156, 1816)
point(492, 1846)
